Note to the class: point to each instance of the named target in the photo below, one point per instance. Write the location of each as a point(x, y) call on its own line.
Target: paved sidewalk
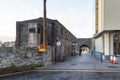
point(84, 62)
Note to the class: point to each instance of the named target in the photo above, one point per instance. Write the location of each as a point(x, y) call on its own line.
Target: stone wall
point(10, 57)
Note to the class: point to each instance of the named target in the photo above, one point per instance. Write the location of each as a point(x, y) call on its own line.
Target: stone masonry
point(29, 37)
point(29, 34)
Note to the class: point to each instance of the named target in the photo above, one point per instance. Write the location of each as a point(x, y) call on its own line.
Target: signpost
point(42, 48)
point(58, 43)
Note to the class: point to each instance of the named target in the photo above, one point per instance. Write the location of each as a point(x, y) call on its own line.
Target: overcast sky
point(76, 15)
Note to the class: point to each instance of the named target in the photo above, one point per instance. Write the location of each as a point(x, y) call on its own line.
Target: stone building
point(29, 35)
point(9, 44)
point(116, 40)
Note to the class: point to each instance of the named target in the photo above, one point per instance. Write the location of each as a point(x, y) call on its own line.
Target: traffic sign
point(42, 48)
point(58, 43)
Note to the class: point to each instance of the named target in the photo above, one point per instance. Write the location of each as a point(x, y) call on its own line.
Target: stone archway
point(85, 42)
point(85, 49)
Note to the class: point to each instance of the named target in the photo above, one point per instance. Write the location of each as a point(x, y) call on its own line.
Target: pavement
point(84, 62)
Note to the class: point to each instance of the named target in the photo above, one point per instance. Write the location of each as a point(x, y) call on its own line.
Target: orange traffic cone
point(111, 59)
point(114, 60)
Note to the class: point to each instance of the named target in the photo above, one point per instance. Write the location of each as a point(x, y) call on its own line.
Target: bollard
point(114, 60)
point(111, 59)
point(101, 58)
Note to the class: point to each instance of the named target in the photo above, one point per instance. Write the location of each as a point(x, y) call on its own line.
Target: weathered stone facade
point(11, 57)
point(116, 38)
point(85, 42)
point(29, 34)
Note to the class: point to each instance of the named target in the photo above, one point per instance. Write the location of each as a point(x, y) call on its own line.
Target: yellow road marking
point(78, 70)
point(40, 70)
point(10, 74)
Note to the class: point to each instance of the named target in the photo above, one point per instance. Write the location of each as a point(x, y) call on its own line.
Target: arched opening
point(84, 49)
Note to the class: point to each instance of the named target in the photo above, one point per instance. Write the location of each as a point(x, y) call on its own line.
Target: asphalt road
point(64, 75)
point(83, 67)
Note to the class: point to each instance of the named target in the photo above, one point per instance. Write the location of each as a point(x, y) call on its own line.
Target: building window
point(119, 48)
point(49, 24)
point(38, 30)
point(68, 48)
point(68, 35)
point(32, 30)
point(61, 31)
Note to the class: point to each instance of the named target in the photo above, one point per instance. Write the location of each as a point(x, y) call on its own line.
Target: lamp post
point(44, 23)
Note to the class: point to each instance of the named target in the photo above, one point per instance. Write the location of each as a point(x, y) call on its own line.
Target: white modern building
point(107, 22)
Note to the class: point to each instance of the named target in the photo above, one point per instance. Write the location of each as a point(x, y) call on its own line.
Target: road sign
point(42, 48)
point(58, 43)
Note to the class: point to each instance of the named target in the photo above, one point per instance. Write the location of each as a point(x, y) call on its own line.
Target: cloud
point(79, 23)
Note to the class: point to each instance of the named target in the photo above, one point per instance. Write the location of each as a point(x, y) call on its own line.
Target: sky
point(76, 15)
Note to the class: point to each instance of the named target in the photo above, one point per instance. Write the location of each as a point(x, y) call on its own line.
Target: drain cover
point(113, 67)
point(73, 64)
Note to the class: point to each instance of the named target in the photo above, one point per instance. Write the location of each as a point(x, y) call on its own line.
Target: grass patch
point(19, 69)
